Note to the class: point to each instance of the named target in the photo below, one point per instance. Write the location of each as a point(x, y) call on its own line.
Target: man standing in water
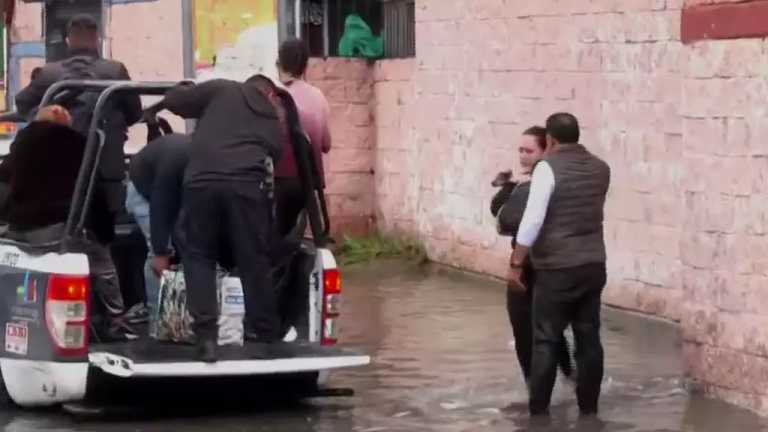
point(562, 228)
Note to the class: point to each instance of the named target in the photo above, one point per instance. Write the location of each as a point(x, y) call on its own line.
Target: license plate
point(16, 338)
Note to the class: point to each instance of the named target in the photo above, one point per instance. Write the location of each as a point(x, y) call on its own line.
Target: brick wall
point(396, 164)
point(724, 244)
point(485, 71)
point(348, 85)
point(133, 37)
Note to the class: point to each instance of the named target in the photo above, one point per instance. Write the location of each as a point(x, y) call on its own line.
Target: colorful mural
point(235, 38)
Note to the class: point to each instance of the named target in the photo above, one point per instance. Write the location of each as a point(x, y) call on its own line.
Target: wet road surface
point(444, 361)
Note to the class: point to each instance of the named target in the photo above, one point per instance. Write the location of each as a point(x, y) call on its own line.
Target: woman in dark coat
point(508, 206)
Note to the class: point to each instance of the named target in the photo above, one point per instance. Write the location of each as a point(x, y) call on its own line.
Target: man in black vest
point(562, 228)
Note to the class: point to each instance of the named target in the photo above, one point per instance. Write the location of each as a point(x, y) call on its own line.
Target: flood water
point(443, 361)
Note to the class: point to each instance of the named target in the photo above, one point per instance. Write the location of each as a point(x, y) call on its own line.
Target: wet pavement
point(444, 361)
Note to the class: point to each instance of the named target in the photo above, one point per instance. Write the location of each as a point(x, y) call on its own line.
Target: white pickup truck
point(47, 357)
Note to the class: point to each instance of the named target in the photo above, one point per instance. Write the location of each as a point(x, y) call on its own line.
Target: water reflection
point(443, 361)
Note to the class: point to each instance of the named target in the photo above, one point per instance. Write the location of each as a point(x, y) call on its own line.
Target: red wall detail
point(747, 19)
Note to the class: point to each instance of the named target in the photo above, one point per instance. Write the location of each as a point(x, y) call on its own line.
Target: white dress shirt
point(542, 186)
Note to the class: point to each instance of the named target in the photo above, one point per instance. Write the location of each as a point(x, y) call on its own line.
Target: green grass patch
point(357, 250)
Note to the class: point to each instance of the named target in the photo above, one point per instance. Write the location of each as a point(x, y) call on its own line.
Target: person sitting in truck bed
point(40, 171)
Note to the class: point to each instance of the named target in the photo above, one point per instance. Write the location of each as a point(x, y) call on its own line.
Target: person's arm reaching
point(189, 100)
point(130, 104)
point(164, 206)
point(542, 187)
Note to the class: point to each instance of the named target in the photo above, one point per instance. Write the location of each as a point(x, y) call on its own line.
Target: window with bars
point(399, 28)
point(321, 23)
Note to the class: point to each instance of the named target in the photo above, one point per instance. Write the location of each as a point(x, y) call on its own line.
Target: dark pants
point(519, 309)
point(289, 202)
point(563, 297)
point(108, 305)
point(240, 215)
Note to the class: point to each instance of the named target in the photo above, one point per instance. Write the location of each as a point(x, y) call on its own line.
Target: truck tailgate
point(146, 358)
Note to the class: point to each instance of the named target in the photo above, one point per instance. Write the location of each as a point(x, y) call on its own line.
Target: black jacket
point(41, 171)
point(126, 110)
point(157, 173)
point(501, 197)
point(238, 129)
point(511, 213)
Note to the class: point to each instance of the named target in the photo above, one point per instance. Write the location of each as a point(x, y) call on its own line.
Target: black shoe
point(137, 314)
point(116, 331)
point(206, 351)
point(254, 337)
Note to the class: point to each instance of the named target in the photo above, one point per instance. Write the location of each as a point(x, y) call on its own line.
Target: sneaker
point(137, 314)
point(291, 335)
point(117, 331)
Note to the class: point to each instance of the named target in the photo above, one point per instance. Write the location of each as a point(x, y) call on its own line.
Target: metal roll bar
point(86, 178)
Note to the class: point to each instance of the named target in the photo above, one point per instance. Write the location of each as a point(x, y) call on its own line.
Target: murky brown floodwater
point(443, 362)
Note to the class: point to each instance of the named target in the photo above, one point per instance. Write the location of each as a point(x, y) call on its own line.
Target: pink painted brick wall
point(27, 23)
point(724, 247)
point(148, 38)
point(447, 121)
point(348, 85)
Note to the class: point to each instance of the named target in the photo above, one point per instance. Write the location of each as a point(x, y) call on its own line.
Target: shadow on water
point(444, 361)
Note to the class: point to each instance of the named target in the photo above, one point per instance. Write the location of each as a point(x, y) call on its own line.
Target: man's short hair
point(564, 128)
point(294, 56)
point(82, 23)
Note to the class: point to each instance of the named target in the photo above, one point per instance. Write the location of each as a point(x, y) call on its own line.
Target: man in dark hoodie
point(228, 199)
point(154, 200)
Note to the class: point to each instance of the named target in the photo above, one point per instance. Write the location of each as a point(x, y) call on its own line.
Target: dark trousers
point(563, 297)
point(289, 202)
point(238, 214)
point(520, 311)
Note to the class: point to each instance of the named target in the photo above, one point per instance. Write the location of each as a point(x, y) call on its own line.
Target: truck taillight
point(331, 300)
point(66, 314)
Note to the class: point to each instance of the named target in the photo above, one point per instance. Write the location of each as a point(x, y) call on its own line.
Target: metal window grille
point(399, 28)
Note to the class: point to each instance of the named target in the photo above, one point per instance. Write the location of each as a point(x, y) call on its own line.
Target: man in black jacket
point(228, 197)
point(84, 62)
point(154, 200)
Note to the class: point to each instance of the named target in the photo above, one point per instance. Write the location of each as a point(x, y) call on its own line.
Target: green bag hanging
point(358, 40)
